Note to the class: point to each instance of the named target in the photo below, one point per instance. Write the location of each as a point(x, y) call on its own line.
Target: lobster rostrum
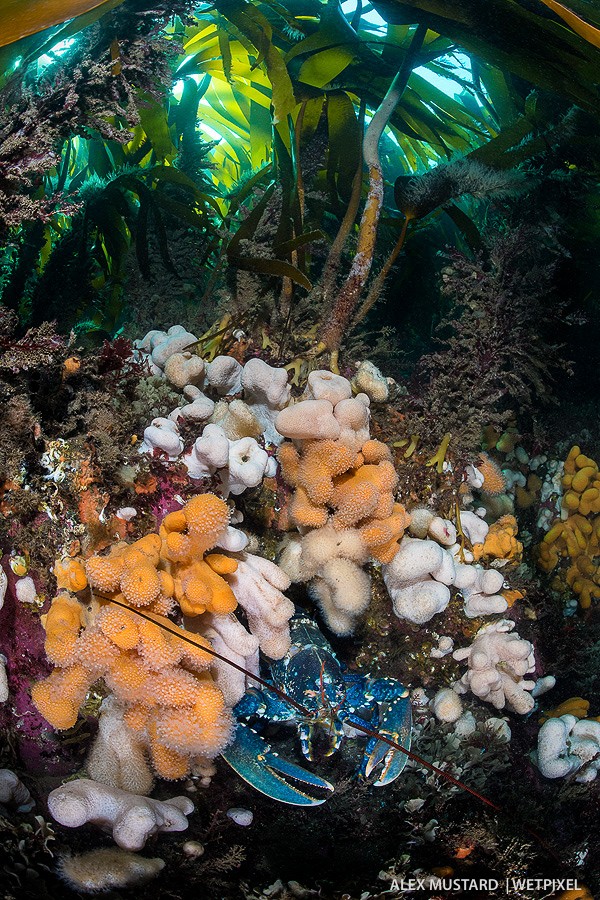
point(311, 689)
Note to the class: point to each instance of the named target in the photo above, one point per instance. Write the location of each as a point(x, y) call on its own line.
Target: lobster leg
point(335, 736)
point(265, 704)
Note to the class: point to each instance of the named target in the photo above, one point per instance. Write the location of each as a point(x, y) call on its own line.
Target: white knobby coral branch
point(130, 818)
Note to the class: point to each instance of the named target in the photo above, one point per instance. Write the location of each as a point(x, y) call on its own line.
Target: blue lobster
point(334, 702)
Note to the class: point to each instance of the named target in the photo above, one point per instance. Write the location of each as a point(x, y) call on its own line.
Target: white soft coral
point(498, 663)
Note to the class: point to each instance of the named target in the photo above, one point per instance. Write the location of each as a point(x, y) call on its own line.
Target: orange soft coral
point(195, 529)
point(383, 536)
point(60, 696)
point(163, 684)
point(161, 680)
point(348, 496)
point(63, 624)
point(364, 492)
point(104, 572)
point(151, 572)
point(321, 462)
point(334, 482)
point(303, 513)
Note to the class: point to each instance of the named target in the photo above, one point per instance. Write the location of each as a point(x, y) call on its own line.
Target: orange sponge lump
point(500, 542)
point(574, 706)
point(70, 574)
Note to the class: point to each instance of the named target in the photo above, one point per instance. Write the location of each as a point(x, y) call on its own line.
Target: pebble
point(243, 817)
point(193, 849)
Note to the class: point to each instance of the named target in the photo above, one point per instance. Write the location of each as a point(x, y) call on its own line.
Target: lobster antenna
point(380, 737)
point(465, 787)
point(167, 625)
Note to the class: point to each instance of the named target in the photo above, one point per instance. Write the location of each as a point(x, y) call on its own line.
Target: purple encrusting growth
point(22, 642)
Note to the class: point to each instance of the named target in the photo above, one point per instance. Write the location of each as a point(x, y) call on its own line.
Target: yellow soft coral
point(576, 536)
point(581, 482)
point(574, 706)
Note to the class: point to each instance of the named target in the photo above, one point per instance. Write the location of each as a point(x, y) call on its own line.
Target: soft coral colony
point(168, 701)
point(171, 707)
point(146, 623)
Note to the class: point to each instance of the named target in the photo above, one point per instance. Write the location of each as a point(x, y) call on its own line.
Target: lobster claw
point(395, 723)
point(252, 758)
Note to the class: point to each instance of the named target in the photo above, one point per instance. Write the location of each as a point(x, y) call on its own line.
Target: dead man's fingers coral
point(258, 586)
point(130, 818)
point(109, 867)
point(13, 792)
point(117, 757)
